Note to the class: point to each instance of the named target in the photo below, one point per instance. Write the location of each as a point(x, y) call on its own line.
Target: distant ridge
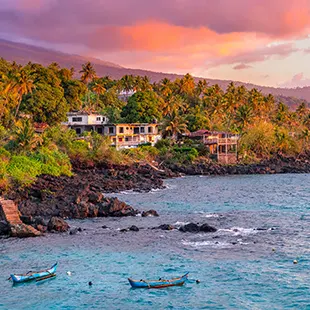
point(23, 53)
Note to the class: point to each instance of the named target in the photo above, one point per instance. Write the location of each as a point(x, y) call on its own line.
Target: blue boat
point(158, 283)
point(34, 275)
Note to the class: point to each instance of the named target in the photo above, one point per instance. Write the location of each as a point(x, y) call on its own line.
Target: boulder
point(27, 219)
point(150, 213)
point(134, 228)
point(24, 231)
point(191, 227)
point(41, 228)
point(57, 224)
point(207, 228)
point(74, 231)
point(95, 197)
point(4, 228)
point(165, 227)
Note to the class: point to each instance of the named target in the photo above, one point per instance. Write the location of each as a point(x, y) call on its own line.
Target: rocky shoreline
point(51, 200)
point(276, 165)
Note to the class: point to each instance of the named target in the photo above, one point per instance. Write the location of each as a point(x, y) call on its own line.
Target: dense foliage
point(34, 93)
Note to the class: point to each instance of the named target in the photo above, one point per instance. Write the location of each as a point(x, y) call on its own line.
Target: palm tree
point(244, 115)
point(25, 136)
point(23, 85)
point(98, 89)
point(127, 83)
point(88, 73)
point(174, 126)
point(165, 87)
point(173, 104)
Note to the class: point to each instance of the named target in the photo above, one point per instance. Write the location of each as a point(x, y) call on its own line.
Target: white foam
point(213, 244)
point(179, 223)
point(236, 231)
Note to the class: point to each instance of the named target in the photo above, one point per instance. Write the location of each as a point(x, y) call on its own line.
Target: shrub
point(23, 170)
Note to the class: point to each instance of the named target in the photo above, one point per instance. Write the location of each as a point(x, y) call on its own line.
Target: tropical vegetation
point(34, 93)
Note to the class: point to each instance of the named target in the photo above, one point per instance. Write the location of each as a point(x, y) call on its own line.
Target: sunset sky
point(265, 42)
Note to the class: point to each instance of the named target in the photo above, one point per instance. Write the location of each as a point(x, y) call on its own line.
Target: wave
point(179, 223)
point(236, 231)
point(213, 244)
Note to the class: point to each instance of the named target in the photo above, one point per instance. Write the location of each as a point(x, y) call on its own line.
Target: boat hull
point(158, 283)
point(20, 278)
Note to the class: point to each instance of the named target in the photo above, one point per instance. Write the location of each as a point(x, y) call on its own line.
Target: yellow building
point(131, 135)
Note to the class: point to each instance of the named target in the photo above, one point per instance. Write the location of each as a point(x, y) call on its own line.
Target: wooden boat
point(158, 283)
point(33, 275)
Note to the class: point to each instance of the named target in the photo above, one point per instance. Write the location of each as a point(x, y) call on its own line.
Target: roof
point(74, 113)
point(202, 132)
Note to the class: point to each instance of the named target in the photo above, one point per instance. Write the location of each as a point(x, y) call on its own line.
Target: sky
point(266, 42)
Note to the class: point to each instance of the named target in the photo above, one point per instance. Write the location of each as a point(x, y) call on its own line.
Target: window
point(120, 140)
point(142, 129)
point(76, 119)
point(126, 139)
point(121, 130)
point(111, 130)
point(103, 118)
point(136, 130)
point(99, 130)
point(98, 118)
point(78, 131)
point(150, 129)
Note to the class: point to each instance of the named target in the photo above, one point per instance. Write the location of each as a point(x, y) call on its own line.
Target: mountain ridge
point(23, 53)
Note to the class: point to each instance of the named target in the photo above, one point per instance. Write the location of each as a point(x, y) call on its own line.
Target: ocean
point(263, 224)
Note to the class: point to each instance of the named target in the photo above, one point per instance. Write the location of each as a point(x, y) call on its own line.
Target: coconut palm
point(244, 115)
point(174, 126)
point(25, 136)
point(23, 85)
point(88, 73)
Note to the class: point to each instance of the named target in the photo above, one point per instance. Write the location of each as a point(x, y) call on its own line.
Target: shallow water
point(263, 225)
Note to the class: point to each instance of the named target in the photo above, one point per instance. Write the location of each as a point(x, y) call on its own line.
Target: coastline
point(51, 200)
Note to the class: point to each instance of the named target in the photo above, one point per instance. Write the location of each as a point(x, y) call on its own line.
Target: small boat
point(158, 283)
point(33, 275)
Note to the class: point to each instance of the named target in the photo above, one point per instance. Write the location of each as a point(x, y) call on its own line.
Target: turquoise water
point(263, 225)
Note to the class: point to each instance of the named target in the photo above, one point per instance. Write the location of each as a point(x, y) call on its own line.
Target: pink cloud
point(241, 67)
point(161, 34)
point(298, 80)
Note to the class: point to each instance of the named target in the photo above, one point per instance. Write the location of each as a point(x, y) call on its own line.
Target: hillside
point(23, 53)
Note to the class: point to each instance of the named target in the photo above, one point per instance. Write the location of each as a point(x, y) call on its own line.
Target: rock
point(39, 220)
point(95, 197)
point(118, 208)
point(134, 228)
point(191, 227)
point(41, 228)
point(80, 229)
point(74, 231)
point(27, 219)
point(4, 228)
point(150, 213)
point(57, 224)
point(207, 228)
point(165, 227)
point(24, 231)
point(123, 230)
point(104, 227)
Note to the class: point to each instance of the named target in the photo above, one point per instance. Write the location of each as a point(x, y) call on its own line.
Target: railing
point(227, 141)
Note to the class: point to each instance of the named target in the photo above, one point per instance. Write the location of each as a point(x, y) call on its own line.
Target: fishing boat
point(33, 275)
point(158, 283)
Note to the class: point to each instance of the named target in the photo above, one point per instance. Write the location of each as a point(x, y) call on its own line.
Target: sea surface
point(263, 224)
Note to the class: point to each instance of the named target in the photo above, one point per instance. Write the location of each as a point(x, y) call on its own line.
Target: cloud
point(172, 35)
point(241, 67)
point(298, 80)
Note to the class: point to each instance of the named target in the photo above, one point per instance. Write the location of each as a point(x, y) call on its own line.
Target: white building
point(83, 121)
